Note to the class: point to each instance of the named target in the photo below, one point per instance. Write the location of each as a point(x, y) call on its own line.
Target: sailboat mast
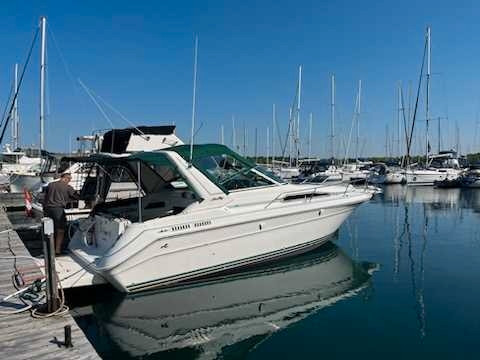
point(439, 134)
point(399, 117)
point(268, 146)
point(15, 122)
point(255, 144)
point(310, 136)
point(43, 26)
point(297, 139)
point(332, 121)
point(358, 117)
point(222, 135)
point(427, 110)
point(273, 131)
point(234, 140)
point(244, 139)
point(290, 136)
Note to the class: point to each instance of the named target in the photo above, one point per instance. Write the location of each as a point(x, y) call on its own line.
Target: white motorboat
point(287, 173)
point(355, 173)
point(19, 169)
point(471, 179)
point(381, 174)
point(192, 219)
point(224, 311)
point(331, 174)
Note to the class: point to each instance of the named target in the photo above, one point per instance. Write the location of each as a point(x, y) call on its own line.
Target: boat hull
point(471, 182)
point(19, 182)
point(428, 177)
point(164, 261)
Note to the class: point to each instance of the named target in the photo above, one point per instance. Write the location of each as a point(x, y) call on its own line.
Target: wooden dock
point(21, 335)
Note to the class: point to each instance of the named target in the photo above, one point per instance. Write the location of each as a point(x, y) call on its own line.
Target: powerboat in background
point(20, 168)
point(240, 309)
point(283, 170)
point(197, 214)
point(355, 173)
point(330, 174)
point(471, 178)
point(383, 174)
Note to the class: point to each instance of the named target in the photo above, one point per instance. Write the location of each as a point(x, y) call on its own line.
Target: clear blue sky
point(138, 56)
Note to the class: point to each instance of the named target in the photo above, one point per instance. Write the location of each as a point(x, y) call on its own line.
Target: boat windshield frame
point(210, 158)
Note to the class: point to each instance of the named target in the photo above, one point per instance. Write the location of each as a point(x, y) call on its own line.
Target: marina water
point(399, 280)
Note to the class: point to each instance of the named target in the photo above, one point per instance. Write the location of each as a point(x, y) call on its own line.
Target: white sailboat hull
point(429, 176)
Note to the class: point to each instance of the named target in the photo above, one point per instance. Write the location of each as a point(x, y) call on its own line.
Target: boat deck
point(21, 335)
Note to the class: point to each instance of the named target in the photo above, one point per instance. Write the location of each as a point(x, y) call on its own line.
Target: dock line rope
point(30, 295)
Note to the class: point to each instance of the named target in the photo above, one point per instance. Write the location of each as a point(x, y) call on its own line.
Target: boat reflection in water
point(212, 315)
point(433, 198)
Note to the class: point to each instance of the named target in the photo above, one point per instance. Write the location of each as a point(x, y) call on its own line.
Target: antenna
point(194, 97)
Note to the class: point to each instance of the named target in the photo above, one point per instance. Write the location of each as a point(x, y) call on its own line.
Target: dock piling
point(50, 271)
point(68, 336)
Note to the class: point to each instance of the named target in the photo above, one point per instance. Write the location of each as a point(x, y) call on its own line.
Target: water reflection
point(421, 215)
point(238, 311)
point(432, 198)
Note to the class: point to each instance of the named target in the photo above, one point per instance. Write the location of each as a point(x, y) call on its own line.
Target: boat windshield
point(227, 169)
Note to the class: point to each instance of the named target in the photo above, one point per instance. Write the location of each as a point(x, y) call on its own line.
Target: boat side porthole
point(319, 212)
point(260, 226)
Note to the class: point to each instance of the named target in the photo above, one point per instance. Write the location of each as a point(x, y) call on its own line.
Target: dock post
point(50, 272)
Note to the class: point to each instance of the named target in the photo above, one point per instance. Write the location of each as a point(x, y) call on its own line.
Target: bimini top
point(225, 168)
point(158, 157)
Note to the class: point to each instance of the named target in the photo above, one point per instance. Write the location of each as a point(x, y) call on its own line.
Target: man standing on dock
point(58, 195)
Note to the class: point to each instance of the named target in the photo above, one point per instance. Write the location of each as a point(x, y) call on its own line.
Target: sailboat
point(331, 173)
point(290, 170)
point(447, 167)
point(358, 171)
point(24, 179)
point(18, 167)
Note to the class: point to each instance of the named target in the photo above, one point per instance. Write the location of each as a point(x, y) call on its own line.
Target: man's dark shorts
point(57, 214)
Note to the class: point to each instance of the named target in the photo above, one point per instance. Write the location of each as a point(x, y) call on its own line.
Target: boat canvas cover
point(117, 140)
